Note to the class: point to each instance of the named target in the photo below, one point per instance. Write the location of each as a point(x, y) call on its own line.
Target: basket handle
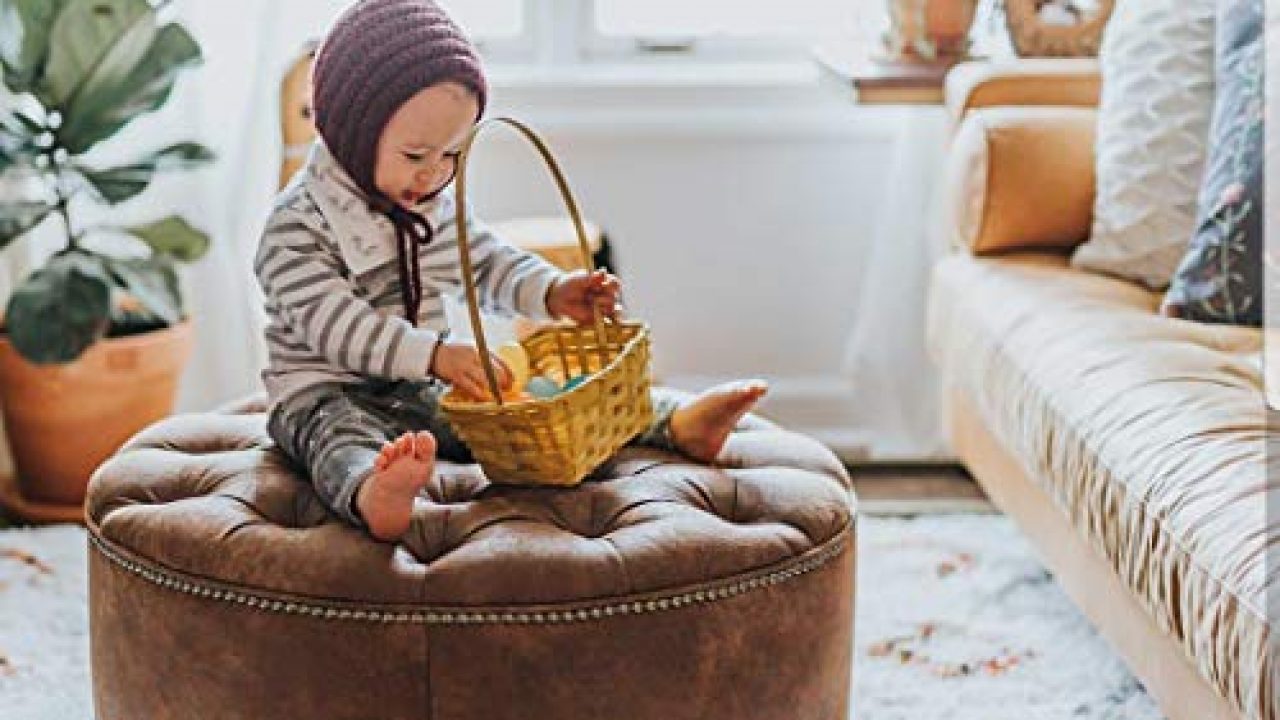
point(464, 248)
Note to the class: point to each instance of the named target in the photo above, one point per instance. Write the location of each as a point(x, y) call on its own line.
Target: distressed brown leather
point(206, 502)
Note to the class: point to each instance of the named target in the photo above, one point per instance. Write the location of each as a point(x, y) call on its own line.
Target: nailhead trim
point(183, 584)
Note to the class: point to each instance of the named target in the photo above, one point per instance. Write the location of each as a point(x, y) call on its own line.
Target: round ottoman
point(658, 589)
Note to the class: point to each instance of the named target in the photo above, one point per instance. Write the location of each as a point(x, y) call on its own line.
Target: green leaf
point(18, 219)
point(10, 147)
point(30, 124)
point(24, 40)
point(32, 128)
point(17, 144)
point(152, 283)
point(82, 37)
point(173, 237)
point(14, 129)
point(115, 185)
point(114, 96)
point(181, 155)
point(10, 134)
point(61, 309)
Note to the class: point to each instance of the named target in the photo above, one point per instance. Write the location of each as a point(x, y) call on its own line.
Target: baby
point(359, 251)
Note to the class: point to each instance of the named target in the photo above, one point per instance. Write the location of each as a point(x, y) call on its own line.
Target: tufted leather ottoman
point(220, 588)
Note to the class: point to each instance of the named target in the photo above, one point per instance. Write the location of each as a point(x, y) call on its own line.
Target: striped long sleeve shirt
point(327, 266)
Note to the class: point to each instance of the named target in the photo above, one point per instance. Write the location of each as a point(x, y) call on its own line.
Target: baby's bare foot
point(403, 467)
point(700, 428)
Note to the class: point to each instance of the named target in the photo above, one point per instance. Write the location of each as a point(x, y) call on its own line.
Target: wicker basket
point(559, 440)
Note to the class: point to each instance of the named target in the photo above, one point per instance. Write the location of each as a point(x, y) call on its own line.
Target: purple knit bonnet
point(378, 55)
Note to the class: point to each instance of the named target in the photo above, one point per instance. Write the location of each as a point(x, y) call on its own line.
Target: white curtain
point(897, 393)
point(231, 104)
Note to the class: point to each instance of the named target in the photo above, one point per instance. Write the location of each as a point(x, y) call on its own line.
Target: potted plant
point(95, 339)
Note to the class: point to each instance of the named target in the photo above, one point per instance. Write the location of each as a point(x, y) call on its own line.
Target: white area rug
point(44, 625)
point(956, 620)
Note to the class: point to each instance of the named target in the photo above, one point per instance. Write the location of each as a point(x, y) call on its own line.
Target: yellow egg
point(514, 356)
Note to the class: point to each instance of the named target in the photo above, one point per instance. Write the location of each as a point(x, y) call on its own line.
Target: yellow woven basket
point(559, 440)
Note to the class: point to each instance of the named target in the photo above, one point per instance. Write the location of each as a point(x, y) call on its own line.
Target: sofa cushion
point(1157, 98)
point(999, 165)
point(1148, 432)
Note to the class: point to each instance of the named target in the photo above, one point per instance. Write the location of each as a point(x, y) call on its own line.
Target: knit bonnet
point(378, 55)
point(375, 58)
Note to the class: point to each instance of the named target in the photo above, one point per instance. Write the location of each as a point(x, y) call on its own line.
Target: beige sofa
point(1129, 447)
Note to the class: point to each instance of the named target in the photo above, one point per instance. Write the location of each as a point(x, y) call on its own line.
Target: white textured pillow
point(1153, 127)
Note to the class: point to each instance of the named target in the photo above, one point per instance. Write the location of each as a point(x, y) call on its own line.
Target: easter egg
point(517, 359)
point(575, 381)
point(542, 387)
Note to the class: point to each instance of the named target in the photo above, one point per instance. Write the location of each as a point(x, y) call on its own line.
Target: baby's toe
point(404, 445)
point(752, 388)
point(424, 446)
point(386, 455)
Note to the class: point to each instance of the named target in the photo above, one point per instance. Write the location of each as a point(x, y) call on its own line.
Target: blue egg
point(542, 387)
point(575, 381)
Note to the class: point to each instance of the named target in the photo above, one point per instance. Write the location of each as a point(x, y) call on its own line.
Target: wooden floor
point(914, 489)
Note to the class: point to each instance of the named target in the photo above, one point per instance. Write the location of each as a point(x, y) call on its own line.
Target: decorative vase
point(62, 421)
point(929, 30)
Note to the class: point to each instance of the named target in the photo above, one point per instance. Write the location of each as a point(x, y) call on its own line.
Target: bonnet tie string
point(413, 233)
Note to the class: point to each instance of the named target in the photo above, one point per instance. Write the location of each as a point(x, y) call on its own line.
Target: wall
point(746, 205)
point(743, 206)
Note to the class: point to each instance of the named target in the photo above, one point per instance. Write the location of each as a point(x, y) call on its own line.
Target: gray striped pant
point(335, 431)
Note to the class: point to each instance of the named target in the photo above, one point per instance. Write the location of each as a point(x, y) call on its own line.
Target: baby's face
point(417, 153)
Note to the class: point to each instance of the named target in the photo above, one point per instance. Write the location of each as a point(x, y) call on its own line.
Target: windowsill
point(658, 73)
point(683, 96)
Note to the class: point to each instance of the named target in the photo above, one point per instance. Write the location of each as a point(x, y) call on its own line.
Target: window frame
point(564, 32)
point(598, 46)
point(520, 46)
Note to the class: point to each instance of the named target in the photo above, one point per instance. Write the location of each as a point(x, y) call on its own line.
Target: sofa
point(1129, 447)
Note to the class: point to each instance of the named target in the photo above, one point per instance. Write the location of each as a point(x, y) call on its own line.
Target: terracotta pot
point(64, 420)
point(941, 24)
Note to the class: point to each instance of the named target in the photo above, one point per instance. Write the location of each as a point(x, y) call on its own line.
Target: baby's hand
point(459, 364)
point(575, 294)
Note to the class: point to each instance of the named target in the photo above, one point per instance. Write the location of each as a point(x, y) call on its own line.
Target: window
point(726, 29)
point(481, 19)
point(725, 18)
point(488, 19)
point(574, 31)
